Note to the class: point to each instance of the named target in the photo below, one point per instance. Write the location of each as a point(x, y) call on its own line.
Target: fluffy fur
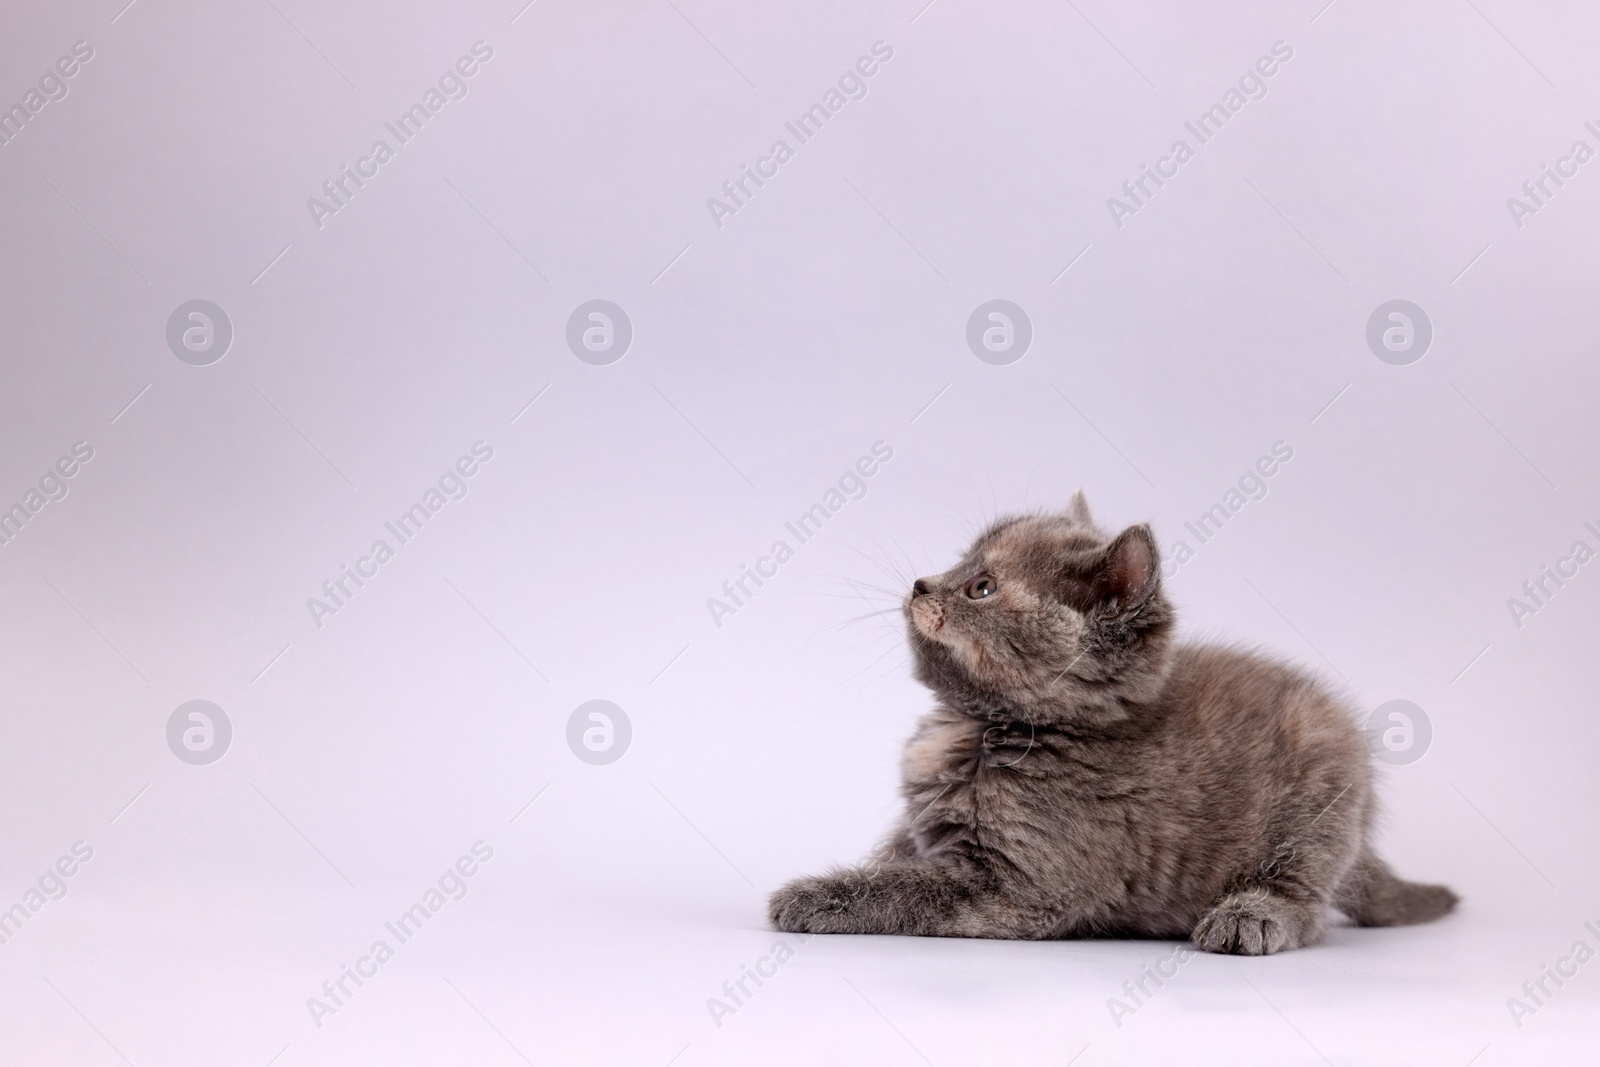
point(1083, 775)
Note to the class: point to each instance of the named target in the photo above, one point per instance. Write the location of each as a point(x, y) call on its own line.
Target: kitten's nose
point(920, 588)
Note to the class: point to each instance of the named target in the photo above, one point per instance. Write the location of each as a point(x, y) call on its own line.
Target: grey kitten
point(1082, 775)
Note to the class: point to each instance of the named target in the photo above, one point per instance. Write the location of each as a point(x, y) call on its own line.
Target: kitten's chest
point(962, 752)
point(955, 751)
point(1011, 788)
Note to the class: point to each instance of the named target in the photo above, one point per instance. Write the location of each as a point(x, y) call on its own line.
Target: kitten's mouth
point(932, 621)
point(928, 616)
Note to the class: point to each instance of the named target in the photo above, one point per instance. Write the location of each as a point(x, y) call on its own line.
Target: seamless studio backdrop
point(394, 381)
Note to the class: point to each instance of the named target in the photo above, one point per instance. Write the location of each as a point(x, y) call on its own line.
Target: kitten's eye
point(981, 587)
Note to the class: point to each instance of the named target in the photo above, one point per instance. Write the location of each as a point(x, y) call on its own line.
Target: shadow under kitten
point(1082, 775)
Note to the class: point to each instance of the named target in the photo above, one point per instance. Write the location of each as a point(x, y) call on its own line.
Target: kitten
point(1082, 775)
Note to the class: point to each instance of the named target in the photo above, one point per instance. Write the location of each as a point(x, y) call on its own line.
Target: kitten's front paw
point(812, 905)
point(1250, 924)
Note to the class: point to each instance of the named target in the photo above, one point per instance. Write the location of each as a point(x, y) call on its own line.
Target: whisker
point(904, 580)
point(839, 596)
point(876, 563)
point(925, 553)
point(869, 666)
point(892, 669)
point(871, 616)
point(904, 555)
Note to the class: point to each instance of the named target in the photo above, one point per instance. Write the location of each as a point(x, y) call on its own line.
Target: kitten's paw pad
point(809, 906)
point(1252, 924)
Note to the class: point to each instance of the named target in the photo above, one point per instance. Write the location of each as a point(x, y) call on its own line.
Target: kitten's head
point(1047, 620)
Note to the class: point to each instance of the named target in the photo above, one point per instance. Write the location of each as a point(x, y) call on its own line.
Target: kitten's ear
point(1078, 509)
point(1131, 567)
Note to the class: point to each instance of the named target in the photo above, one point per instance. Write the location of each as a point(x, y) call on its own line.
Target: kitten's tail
point(1373, 896)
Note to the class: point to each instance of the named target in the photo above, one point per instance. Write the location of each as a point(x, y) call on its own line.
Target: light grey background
point(767, 355)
